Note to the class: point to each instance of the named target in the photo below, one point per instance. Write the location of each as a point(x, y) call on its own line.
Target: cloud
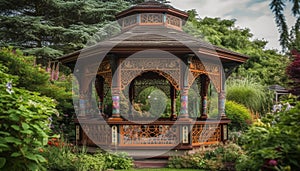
point(252, 14)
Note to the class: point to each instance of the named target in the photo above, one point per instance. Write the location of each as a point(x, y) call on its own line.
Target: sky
point(253, 14)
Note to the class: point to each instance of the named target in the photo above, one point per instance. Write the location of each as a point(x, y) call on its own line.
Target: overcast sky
point(253, 14)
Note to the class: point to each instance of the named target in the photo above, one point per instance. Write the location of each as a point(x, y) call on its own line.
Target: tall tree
point(293, 71)
point(287, 40)
point(267, 66)
point(50, 28)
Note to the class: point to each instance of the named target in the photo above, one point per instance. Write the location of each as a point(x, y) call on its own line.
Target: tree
point(293, 71)
point(50, 28)
point(267, 66)
point(287, 40)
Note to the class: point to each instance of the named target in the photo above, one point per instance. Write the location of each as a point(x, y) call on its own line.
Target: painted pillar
point(184, 112)
point(221, 102)
point(116, 86)
point(85, 91)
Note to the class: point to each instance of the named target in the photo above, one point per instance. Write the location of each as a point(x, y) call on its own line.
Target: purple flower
point(272, 162)
point(9, 87)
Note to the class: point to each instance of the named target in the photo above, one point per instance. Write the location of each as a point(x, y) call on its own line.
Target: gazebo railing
point(128, 134)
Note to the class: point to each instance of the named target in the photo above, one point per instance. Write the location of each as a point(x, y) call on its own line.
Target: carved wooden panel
point(212, 70)
point(149, 135)
point(207, 133)
point(130, 20)
point(168, 68)
point(99, 134)
point(105, 71)
point(172, 20)
point(151, 18)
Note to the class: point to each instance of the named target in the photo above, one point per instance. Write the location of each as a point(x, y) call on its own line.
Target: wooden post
point(85, 90)
point(173, 102)
point(116, 88)
point(203, 93)
point(99, 85)
point(185, 66)
point(221, 102)
point(131, 99)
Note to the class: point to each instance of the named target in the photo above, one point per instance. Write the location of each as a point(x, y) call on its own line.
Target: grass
point(161, 169)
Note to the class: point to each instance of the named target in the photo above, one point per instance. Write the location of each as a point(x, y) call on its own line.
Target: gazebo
point(151, 50)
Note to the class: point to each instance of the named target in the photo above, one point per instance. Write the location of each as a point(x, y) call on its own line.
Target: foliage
point(249, 93)
point(213, 157)
point(35, 78)
point(273, 142)
point(287, 40)
point(239, 115)
point(293, 71)
point(24, 125)
point(50, 28)
point(267, 66)
point(64, 156)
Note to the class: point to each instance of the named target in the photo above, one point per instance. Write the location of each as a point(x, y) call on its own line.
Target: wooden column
point(131, 99)
point(99, 85)
point(204, 90)
point(184, 89)
point(222, 97)
point(221, 103)
point(116, 87)
point(173, 102)
point(85, 91)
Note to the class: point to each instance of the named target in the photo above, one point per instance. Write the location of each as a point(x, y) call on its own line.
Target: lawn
point(161, 169)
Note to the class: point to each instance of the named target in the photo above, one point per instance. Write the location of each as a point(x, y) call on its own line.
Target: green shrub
point(62, 156)
point(213, 157)
point(273, 142)
point(239, 115)
point(24, 125)
point(250, 94)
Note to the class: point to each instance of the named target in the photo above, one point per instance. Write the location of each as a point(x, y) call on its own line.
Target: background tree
point(50, 28)
point(287, 40)
point(293, 70)
point(267, 66)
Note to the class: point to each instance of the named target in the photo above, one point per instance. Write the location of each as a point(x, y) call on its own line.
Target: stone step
point(151, 163)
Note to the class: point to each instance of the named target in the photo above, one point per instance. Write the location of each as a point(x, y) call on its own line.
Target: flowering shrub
point(273, 142)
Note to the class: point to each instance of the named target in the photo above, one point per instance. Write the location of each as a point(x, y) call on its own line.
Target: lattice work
point(149, 135)
point(130, 20)
point(96, 134)
point(212, 70)
point(142, 84)
point(172, 20)
point(168, 68)
point(151, 18)
point(105, 71)
point(206, 133)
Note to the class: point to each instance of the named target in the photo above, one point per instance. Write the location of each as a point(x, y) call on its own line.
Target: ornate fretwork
point(99, 134)
point(208, 133)
point(143, 83)
point(149, 135)
point(130, 20)
point(151, 18)
point(105, 71)
point(174, 21)
point(212, 70)
point(168, 68)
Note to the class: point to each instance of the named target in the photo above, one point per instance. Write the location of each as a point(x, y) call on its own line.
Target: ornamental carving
point(172, 20)
point(206, 133)
point(129, 21)
point(168, 68)
point(151, 18)
point(105, 71)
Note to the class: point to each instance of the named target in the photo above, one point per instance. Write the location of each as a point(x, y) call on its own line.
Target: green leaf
point(16, 154)
point(13, 140)
point(16, 127)
point(2, 162)
point(25, 126)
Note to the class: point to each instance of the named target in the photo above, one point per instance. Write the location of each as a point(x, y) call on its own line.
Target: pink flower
point(272, 162)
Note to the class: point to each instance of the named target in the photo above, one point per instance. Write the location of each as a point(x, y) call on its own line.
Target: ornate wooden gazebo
point(151, 50)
